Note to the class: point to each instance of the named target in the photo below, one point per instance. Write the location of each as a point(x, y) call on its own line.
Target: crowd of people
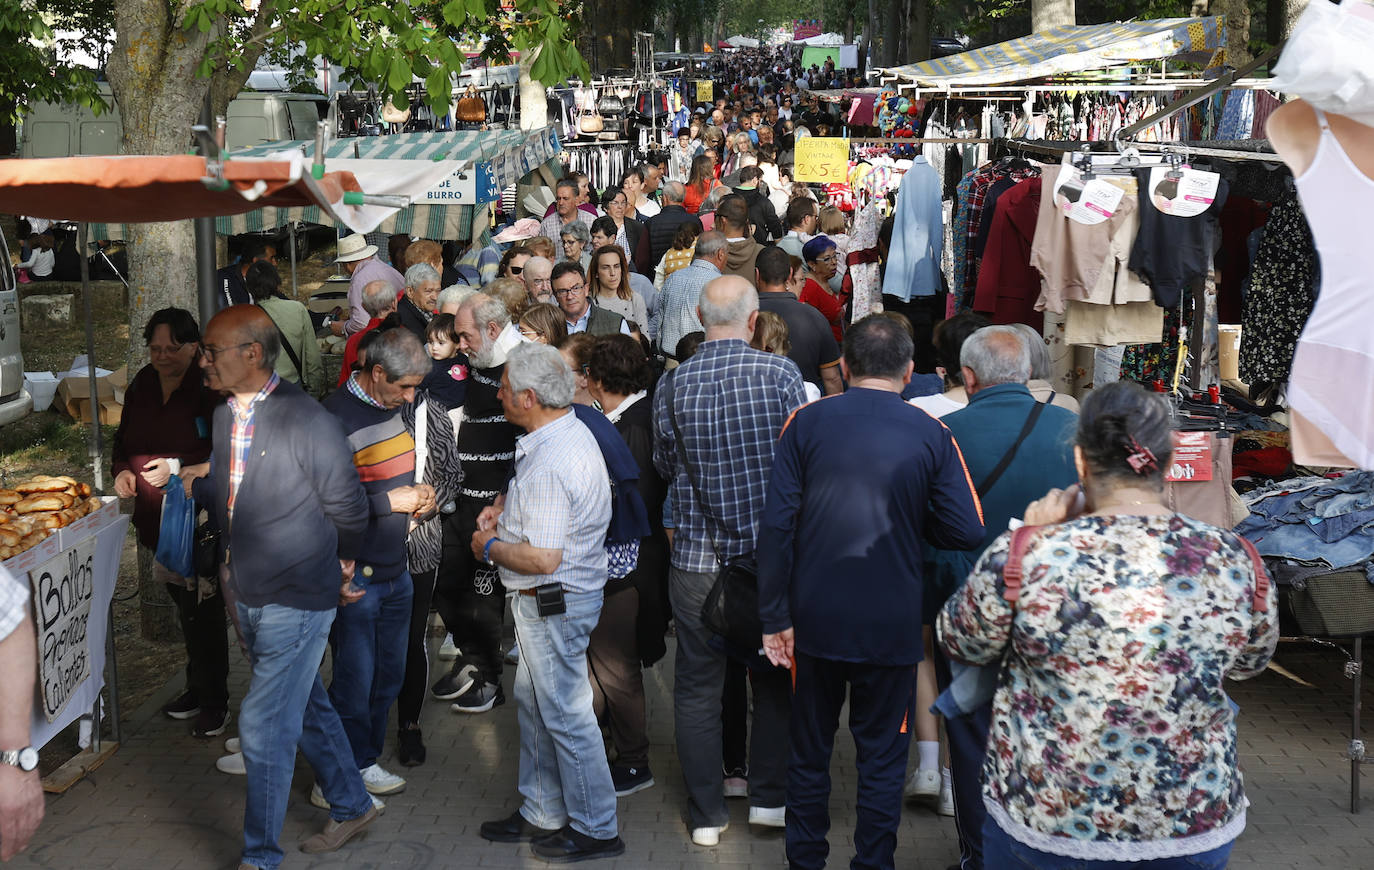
point(606, 421)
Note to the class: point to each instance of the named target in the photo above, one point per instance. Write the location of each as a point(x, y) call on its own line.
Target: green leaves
point(398, 76)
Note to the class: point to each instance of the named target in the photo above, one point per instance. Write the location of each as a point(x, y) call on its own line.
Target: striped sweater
point(384, 455)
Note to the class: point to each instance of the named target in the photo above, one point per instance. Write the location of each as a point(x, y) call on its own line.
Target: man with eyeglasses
point(232, 289)
point(536, 277)
point(284, 490)
point(570, 294)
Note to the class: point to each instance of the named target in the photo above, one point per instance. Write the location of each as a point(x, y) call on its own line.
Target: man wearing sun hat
point(360, 260)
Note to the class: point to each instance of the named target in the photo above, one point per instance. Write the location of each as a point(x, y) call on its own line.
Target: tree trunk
point(1283, 17)
point(1237, 14)
point(1048, 14)
point(534, 109)
point(918, 31)
point(891, 42)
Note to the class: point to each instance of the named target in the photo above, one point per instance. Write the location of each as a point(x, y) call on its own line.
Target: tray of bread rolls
point(33, 510)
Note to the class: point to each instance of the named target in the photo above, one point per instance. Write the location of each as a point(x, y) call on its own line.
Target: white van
point(15, 401)
point(253, 118)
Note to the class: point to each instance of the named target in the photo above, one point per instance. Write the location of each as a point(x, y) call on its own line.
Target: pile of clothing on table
point(1306, 526)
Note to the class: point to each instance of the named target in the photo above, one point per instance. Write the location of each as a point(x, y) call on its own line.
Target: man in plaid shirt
point(730, 402)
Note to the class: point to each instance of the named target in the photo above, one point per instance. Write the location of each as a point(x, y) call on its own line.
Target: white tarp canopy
point(822, 39)
point(742, 42)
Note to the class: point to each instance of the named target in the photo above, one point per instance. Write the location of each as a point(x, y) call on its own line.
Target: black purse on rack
point(731, 609)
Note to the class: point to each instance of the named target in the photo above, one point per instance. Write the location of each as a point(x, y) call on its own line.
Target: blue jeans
point(564, 776)
point(1000, 850)
point(369, 644)
point(286, 706)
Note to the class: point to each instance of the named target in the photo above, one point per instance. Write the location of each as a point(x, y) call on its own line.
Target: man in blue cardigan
point(283, 488)
point(861, 483)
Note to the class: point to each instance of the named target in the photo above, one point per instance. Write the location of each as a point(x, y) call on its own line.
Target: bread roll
point(43, 502)
point(41, 483)
point(9, 537)
point(9, 496)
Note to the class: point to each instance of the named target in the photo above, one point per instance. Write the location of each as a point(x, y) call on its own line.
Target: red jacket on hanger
point(1008, 285)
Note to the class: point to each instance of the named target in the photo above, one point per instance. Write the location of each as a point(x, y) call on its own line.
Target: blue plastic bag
point(177, 534)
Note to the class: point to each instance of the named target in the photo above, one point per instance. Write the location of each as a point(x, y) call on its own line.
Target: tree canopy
point(30, 68)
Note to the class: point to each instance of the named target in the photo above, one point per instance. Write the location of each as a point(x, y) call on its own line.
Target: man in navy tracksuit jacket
point(860, 483)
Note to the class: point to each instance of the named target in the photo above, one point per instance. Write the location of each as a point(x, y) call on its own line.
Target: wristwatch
point(25, 759)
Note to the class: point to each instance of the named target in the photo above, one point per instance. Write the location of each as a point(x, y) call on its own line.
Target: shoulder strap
point(1013, 571)
point(1260, 604)
point(997, 472)
point(290, 351)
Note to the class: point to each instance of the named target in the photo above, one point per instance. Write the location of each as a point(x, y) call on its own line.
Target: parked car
point(253, 118)
point(15, 401)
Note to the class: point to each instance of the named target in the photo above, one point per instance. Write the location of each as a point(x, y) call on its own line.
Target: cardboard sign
point(1192, 458)
point(825, 160)
point(63, 589)
point(1092, 202)
point(706, 92)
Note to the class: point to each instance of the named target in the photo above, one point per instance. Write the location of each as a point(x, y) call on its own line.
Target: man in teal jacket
point(997, 425)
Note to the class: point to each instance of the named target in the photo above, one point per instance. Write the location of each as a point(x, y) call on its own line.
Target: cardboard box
point(21, 565)
point(74, 395)
point(1228, 352)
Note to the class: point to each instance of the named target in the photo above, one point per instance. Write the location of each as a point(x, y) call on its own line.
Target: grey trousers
point(698, 679)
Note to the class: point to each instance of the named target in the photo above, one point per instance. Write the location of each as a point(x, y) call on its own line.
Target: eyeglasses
point(169, 350)
point(530, 334)
point(828, 258)
point(211, 351)
point(568, 291)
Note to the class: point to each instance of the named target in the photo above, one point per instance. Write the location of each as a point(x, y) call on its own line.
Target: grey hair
point(400, 354)
point(264, 332)
point(709, 244)
point(378, 296)
point(487, 309)
point(714, 197)
point(989, 354)
point(1039, 352)
point(420, 273)
point(535, 262)
point(734, 310)
point(674, 191)
point(577, 230)
point(454, 295)
point(540, 367)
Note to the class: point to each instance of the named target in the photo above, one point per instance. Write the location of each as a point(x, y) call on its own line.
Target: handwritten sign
point(1192, 458)
point(63, 589)
point(706, 91)
point(824, 160)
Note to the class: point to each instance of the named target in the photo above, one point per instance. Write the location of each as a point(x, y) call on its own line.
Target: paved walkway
point(160, 802)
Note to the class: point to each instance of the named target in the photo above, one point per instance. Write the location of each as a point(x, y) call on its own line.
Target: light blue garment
point(1314, 520)
point(564, 777)
point(287, 706)
point(918, 236)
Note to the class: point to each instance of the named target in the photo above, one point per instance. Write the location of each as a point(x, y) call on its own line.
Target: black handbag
point(731, 609)
point(205, 552)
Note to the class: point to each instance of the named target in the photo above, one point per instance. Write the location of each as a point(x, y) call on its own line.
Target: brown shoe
point(336, 834)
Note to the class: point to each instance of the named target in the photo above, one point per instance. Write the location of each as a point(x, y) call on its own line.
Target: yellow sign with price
point(706, 92)
point(823, 160)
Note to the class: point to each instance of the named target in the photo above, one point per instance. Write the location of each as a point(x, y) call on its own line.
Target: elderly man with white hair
point(549, 544)
point(536, 278)
point(416, 306)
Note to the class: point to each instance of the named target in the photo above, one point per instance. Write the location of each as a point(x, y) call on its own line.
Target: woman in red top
point(822, 260)
point(699, 184)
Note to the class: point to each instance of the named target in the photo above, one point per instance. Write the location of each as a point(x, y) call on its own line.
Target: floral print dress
point(1112, 737)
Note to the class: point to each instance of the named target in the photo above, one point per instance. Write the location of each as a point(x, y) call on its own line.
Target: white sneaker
point(513, 657)
point(708, 836)
point(946, 801)
point(232, 745)
point(317, 799)
point(770, 817)
point(231, 764)
point(380, 781)
point(922, 785)
point(448, 650)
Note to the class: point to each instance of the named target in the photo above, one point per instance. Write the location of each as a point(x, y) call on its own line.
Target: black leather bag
point(205, 551)
point(610, 104)
point(731, 609)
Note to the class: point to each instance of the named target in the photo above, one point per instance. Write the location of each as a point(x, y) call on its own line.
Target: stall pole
point(1355, 669)
point(95, 443)
point(205, 237)
point(291, 236)
point(112, 679)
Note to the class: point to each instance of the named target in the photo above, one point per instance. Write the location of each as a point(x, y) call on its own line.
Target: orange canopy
point(138, 189)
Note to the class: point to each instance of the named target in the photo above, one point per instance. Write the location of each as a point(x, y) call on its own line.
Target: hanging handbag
point(731, 609)
point(393, 115)
point(610, 104)
point(472, 109)
point(589, 121)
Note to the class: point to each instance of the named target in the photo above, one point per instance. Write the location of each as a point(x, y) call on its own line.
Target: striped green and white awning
point(422, 221)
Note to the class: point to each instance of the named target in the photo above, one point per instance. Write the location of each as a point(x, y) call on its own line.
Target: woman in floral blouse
point(1113, 741)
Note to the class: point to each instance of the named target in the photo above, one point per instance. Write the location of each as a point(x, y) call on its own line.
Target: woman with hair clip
point(1113, 743)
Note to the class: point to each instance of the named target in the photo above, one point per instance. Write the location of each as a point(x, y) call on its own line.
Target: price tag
point(1187, 196)
point(821, 159)
point(1088, 202)
point(1192, 458)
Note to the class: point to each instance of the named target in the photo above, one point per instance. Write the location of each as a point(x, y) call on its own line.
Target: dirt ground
point(50, 442)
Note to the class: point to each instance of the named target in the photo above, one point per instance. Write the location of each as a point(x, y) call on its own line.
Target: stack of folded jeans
point(1316, 522)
